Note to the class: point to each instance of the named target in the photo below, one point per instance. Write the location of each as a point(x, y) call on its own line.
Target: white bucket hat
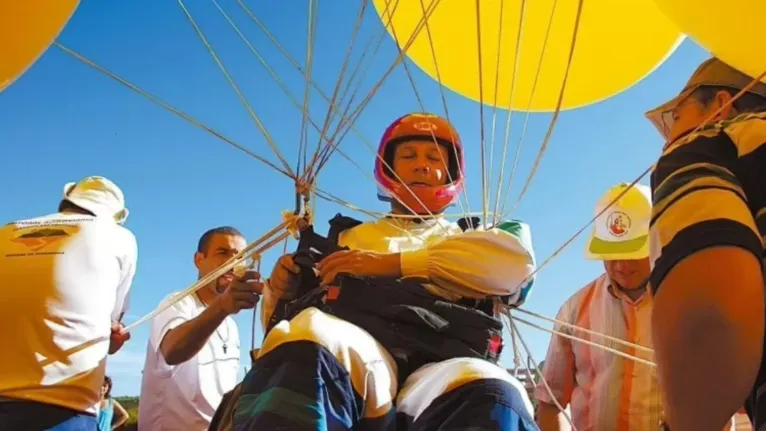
point(622, 231)
point(99, 196)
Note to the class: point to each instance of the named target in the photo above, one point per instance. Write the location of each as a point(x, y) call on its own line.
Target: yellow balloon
point(27, 29)
point(619, 42)
point(733, 32)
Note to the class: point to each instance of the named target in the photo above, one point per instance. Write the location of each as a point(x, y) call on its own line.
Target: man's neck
point(634, 294)
point(399, 209)
point(206, 295)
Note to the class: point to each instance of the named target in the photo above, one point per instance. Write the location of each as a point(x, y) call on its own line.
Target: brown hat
point(713, 72)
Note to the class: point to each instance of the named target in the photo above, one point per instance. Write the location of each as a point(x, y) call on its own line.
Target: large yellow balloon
point(733, 33)
point(618, 43)
point(27, 29)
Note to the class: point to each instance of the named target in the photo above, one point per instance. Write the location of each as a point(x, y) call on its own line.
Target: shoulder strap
point(467, 223)
point(339, 224)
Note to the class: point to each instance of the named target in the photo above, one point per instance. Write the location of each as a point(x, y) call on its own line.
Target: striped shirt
point(709, 191)
point(605, 391)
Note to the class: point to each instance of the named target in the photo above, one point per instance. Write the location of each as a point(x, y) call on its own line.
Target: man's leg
point(318, 372)
point(464, 393)
point(27, 415)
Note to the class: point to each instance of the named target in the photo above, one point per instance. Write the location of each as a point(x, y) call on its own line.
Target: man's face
point(220, 248)
point(690, 113)
point(686, 116)
point(628, 274)
point(421, 163)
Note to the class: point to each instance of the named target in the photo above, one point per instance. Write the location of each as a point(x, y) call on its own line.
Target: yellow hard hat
point(622, 231)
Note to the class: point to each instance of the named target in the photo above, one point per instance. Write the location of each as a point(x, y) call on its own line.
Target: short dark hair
point(108, 383)
point(748, 102)
point(67, 205)
point(204, 240)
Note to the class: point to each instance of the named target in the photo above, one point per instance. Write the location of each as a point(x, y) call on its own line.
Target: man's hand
point(359, 263)
point(241, 294)
point(118, 337)
point(283, 283)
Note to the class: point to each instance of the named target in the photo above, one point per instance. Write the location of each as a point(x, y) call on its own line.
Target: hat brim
point(632, 249)
point(655, 115)
point(100, 210)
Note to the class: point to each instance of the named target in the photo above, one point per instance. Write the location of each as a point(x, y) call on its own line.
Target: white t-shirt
point(63, 279)
point(185, 396)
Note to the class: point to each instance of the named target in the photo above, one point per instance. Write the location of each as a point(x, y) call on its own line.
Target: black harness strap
point(312, 248)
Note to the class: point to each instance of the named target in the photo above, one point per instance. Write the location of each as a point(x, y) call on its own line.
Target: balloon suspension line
point(237, 263)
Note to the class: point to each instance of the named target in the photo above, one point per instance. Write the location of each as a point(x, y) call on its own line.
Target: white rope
point(587, 331)
point(235, 87)
point(590, 343)
point(516, 354)
point(537, 370)
point(251, 251)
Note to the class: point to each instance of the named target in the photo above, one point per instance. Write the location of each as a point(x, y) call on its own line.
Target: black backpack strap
point(311, 249)
point(467, 223)
point(339, 224)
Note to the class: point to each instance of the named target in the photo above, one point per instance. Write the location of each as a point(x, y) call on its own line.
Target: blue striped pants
point(318, 372)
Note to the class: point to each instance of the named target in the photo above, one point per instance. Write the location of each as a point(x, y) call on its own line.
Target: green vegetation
point(131, 405)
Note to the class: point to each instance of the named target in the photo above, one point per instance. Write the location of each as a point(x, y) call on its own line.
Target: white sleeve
point(170, 318)
point(496, 262)
point(128, 262)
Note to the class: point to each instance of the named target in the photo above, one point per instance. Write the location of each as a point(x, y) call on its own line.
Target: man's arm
point(183, 341)
point(475, 264)
point(128, 262)
point(708, 326)
point(496, 262)
point(558, 371)
point(708, 316)
point(550, 418)
point(186, 340)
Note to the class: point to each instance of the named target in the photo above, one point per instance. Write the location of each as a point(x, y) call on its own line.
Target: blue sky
point(62, 121)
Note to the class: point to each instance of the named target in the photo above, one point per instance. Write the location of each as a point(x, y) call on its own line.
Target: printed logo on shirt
point(618, 223)
point(39, 240)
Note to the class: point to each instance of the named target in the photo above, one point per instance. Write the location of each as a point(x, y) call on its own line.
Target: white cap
point(99, 196)
point(622, 231)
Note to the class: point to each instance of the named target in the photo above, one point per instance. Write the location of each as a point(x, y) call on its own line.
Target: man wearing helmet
point(317, 371)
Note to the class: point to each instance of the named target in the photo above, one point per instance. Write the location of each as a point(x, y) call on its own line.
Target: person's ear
point(198, 258)
point(722, 101)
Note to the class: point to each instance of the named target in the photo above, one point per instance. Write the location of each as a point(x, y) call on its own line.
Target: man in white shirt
point(64, 283)
point(193, 352)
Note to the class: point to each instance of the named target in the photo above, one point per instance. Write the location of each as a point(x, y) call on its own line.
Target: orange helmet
point(420, 126)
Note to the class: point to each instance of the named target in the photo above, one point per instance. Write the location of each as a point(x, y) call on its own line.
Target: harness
point(415, 326)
